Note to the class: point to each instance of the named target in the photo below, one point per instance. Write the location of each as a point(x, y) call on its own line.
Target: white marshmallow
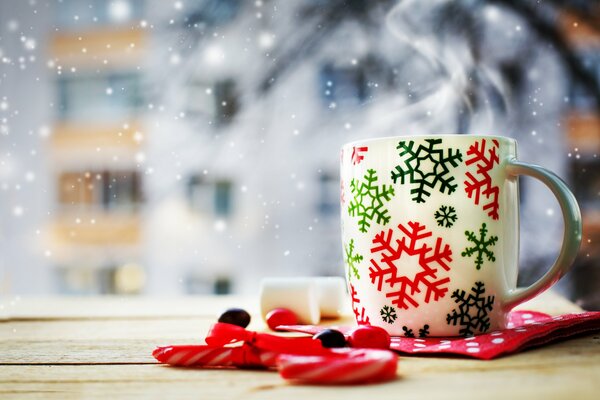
point(299, 295)
point(332, 298)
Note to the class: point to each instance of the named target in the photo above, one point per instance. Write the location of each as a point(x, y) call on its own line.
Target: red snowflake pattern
point(357, 157)
point(359, 312)
point(401, 288)
point(476, 186)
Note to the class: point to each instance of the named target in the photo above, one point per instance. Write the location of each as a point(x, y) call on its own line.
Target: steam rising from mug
point(453, 84)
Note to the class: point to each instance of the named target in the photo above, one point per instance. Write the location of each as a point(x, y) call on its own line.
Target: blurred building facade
point(582, 125)
point(95, 233)
point(168, 172)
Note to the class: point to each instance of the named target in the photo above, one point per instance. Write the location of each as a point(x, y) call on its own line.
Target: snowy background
point(159, 147)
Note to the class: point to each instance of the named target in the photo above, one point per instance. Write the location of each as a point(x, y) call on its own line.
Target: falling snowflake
point(475, 187)
point(357, 156)
point(473, 310)
point(402, 289)
point(445, 216)
point(367, 203)
point(388, 314)
point(426, 168)
point(408, 332)
point(359, 311)
point(352, 259)
point(480, 246)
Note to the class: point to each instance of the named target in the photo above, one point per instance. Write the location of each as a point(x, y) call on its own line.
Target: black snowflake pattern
point(473, 310)
point(426, 168)
point(445, 216)
point(423, 332)
point(481, 246)
point(388, 314)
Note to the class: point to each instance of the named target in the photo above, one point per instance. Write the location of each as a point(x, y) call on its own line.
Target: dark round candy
point(235, 316)
point(331, 338)
point(369, 337)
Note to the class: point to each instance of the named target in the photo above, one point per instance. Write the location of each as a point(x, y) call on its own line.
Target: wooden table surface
point(101, 347)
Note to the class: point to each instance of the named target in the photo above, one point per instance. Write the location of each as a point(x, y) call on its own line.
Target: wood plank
point(573, 374)
point(58, 345)
point(51, 333)
point(102, 341)
point(94, 341)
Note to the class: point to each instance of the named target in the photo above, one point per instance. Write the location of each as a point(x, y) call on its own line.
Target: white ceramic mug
point(430, 229)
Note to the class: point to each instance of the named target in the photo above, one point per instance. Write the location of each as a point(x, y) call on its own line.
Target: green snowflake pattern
point(481, 246)
point(352, 259)
point(368, 199)
point(445, 216)
point(388, 314)
point(426, 168)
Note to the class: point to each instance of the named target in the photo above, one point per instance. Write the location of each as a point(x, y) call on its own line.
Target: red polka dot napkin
point(525, 329)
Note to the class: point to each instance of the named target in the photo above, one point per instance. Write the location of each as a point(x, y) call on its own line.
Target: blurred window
point(223, 198)
point(329, 195)
point(226, 101)
point(200, 284)
point(210, 196)
point(76, 189)
point(82, 279)
point(76, 14)
point(585, 173)
point(343, 85)
point(100, 190)
point(99, 97)
point(580, 97)
point(213, 12)
point(199, 101)
point(219, 102)
point(121, 190)
point(199, 194)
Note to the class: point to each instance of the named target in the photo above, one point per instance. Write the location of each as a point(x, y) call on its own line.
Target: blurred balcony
point(81, 136)
point(114, 46)
point(97, 229)
point(582, 33)
point(584, 132)
point(591, 234)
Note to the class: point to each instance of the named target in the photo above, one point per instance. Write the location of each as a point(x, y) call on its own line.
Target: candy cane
point(192, 355)
point(342, 366)
point(300, 359)
point(211, 356)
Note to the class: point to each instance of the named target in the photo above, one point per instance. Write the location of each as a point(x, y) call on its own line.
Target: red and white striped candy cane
point(195, 355)
point(341, 366)
point(211, 356)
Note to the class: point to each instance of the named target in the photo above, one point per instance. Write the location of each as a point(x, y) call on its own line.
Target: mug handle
point(571, 233)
